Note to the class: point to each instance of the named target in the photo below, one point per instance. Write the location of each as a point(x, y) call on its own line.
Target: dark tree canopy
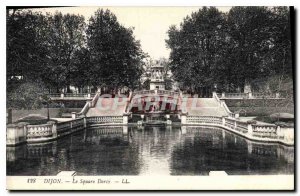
point(115, 54)
point(60, 50)
point(231, 50)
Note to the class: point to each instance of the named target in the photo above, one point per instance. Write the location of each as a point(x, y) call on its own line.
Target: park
point(83, 96)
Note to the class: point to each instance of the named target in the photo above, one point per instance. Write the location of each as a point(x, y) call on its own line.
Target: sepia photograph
point(150, 98)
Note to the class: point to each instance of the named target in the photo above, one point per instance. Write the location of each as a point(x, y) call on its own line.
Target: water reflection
point(150, 151)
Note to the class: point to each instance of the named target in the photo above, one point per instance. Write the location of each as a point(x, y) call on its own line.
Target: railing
point(230, 123)
point(159, 92)
point(166, 92)
point(39, 131)
point(241, 126)
point(64, 128)
point(88, 105)
point(108, 130)
point(223, 104)
point(249, 96)
point(204, 120)
point(236, 95)
point(252, 131)
point(105, 119)
point(95, 99)
point(143, 92)
point(268, 131)
point(71, 95)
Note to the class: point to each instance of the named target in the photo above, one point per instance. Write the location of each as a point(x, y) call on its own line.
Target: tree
point(249, 29)
point(243, 47)
point(24, 53)
point(63, 36)
point(195, 48)
point(42, 47)
point(116, 57)
point(29, 95)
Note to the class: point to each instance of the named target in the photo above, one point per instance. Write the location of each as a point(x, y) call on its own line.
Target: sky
point(150, 23)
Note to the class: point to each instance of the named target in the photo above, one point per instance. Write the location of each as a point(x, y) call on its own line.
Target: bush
point(29, 95)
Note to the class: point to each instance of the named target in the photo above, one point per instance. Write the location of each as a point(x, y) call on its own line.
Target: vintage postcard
point(150, 98)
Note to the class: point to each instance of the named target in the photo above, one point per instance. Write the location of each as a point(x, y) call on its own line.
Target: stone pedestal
point(223, 95)
point(125, 118)
point(236, 115)
point(16, 134)
point(54, 129)
point(84, 122)
point(250, 130)
point(73, 115)
point(125, 130)
point(183, 118)
point(250, 95)
point(183, 130)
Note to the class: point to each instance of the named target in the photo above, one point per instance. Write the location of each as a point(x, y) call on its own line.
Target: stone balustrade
point(223, 104)
point(71, 96)
point(203, 119)
point(249, 96)
point(39, 132)
point(105, 119)
point(23, 132)
point(269, 133)
point(159, 92)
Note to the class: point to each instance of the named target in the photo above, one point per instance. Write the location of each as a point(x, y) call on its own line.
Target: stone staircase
point(203, 107)
point(108, 107)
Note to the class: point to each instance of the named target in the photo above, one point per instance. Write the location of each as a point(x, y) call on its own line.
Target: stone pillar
point(223, 121)
point(183, 130)
point(142, 117)
point(236, 115)
point(250, 95)
point(277, 95)
point(183, 118)
point(214, 93)
point(62, 95)
point(16, 133)
point(125, 118)
point(155, 91)
point(223, 95)
point(279, 132)
point(73, 115)
point(250, 130)
point(84, 122)
point(54, 129)
point(250, 147)
point(125, 130)
point(89, 95)
point(169, 122)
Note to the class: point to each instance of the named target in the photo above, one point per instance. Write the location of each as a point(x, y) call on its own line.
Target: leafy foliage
point(29, 95)
point(61, 50)
point(115, 54)
point(231, 50)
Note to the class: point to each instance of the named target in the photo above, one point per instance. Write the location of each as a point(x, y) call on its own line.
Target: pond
point(150, 151)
